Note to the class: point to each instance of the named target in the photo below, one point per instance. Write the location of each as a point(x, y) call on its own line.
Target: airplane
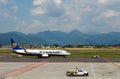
point(39, 53)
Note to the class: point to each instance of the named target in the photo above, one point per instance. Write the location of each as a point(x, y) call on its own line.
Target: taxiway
point(57, 70)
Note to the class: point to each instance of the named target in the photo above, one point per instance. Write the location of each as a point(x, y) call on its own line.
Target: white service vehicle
point(77, 72)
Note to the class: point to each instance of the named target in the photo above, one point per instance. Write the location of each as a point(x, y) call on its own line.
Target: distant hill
point(58, 37)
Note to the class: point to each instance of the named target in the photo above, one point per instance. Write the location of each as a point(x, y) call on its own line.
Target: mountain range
point(61, 38)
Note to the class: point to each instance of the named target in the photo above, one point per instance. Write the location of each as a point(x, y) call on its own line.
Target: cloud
point(49, 8)
point(37, 11)
point(58, 2)
point(23, 23)
point(110, 13)
point(35, 24)
point(8, 8)
point(102, 1)
point(3, 2)
point(107, 14)
point(6, 15)
point(108, 2)
point(83, 15)
point(15, 8)
point(37, 2)
point(63, 15)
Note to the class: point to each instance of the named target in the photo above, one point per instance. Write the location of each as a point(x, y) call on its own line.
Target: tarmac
point(57, 70)
point(12, 58)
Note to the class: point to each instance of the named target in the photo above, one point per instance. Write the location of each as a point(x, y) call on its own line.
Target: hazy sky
point(32, 16)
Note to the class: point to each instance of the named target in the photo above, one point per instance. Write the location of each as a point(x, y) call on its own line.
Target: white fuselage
point(41, 52)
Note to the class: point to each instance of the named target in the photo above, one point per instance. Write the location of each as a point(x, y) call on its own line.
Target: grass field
point(5, 51)
point(88, 52)
point(84, 52)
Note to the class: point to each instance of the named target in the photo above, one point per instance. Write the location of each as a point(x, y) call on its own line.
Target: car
point(96, 56)
point(77, 72)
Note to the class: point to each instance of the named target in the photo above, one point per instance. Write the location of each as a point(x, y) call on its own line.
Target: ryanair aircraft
point(39, 53)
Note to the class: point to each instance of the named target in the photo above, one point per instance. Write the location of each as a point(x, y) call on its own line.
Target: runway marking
point(21, 70)
point(111, 62)
point(93, 72)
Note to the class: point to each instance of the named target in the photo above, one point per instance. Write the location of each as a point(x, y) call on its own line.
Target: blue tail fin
point(14, 45)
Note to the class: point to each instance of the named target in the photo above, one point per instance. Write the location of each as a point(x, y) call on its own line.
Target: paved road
point(57, 70)
point(10, 58)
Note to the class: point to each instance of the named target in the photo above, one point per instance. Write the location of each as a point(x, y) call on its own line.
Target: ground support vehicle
point(77, 72)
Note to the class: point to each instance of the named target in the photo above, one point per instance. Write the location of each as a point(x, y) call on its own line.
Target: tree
point(56, 45)
point(0, 45)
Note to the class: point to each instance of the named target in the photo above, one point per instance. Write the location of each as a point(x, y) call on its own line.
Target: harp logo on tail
point(14, 45)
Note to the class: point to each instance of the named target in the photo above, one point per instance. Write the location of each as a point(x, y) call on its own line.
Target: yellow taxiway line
point(111, 62)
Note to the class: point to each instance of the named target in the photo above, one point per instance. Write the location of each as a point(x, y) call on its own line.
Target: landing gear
point(39, 56)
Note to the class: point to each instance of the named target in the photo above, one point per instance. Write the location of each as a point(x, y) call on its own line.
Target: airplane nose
point(68, 53)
